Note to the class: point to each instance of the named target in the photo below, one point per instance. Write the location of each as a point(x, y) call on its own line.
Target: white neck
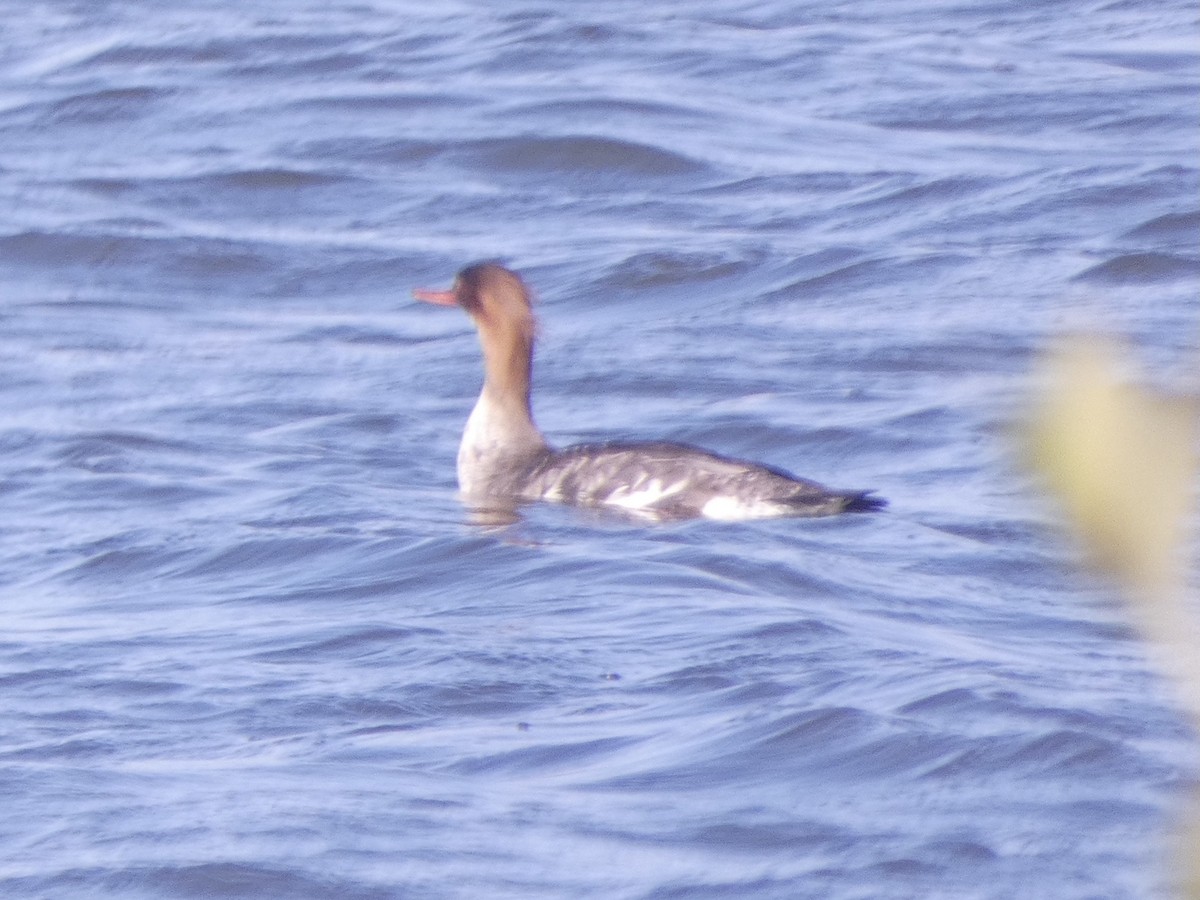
point(499, 439)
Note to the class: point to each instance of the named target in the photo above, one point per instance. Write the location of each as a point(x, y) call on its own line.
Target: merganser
point(503, 459)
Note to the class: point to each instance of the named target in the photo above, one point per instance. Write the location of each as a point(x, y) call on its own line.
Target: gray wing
point(677, 480)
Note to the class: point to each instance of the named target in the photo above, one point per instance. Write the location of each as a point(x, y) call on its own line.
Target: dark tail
point(863, 501)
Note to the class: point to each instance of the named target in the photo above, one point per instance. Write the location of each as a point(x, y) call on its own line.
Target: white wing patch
point(645, 496)
point(731, 509)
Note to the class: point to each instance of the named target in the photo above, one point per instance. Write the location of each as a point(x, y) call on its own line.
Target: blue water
point(253, 647)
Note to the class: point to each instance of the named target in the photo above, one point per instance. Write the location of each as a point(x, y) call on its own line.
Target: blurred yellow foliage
point(1122, 460)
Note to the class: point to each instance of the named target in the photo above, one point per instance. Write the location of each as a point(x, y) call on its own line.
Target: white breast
point(495, 448)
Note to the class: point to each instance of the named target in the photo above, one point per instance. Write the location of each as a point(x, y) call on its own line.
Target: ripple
point(136, 55)
point(105, 106)
point(543, 758)
point(357, 644)
point(119, 565)
point(579, 156)
point(871, 273)
point(258, 554)
point(584, 108)
point(232, 879)
point(1141, 268)
point(189, 258)
point(271, 179)
point(1183, 228)
point(644, 271)
point(408, 151)
point(1047, 755)
point(355, 105)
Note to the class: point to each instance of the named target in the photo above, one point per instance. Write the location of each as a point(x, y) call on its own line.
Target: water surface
point(254, 647)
